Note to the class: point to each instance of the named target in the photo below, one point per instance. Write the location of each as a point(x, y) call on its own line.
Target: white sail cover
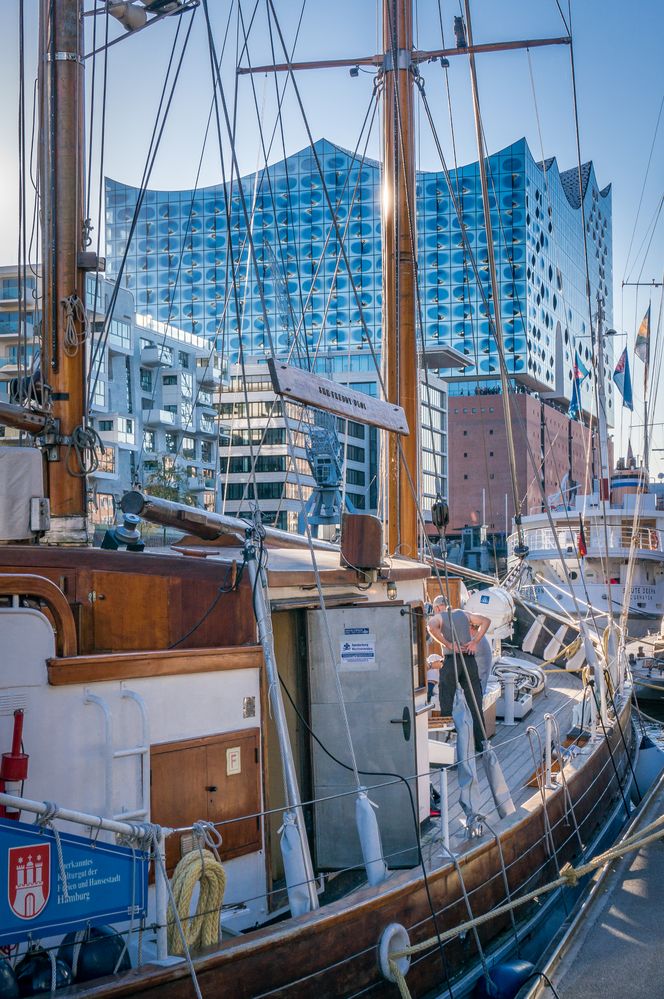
point(21, 479)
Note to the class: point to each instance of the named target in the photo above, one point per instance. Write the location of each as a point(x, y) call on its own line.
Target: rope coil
point(203, 929)
point(75, 314)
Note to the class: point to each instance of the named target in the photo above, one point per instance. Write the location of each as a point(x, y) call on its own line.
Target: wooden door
point(214, 778)
point(130, 612)
point(233, 785)
point(177, 790)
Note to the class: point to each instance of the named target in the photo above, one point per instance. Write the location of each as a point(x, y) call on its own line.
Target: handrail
point(30, 585)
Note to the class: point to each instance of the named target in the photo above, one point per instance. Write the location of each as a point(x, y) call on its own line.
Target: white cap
point(434, 658)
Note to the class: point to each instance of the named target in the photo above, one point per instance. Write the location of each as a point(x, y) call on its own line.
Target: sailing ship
point(613, 551)
point(260, 694)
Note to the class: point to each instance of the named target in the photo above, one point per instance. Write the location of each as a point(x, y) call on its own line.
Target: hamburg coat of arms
point(29, 880)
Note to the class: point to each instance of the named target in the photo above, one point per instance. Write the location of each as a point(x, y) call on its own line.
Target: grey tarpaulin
point(499, 789)
point(469, 786)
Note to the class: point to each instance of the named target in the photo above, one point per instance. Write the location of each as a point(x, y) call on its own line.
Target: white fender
point(369, 833)
point(294, 866)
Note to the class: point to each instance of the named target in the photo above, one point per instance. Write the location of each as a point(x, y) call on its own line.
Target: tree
point(169, 482)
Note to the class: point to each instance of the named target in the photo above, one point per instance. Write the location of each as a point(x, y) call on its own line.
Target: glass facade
point(178, 265)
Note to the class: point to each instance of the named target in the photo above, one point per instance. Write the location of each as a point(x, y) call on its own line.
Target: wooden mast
point(61, 184)
point(399, 276)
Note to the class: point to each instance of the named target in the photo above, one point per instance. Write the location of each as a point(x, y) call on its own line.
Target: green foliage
point(169, 482)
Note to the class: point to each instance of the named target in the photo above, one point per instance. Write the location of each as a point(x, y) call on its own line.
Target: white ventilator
point(294, 866)
point(369, 833)
point(497, 604)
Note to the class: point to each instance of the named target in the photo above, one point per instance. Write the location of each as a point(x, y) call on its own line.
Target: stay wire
point(473, 261)
point(155, 142)
point(643, 187)
point(335, 228)
point(416, 825)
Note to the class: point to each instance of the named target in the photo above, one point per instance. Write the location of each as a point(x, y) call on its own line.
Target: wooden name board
point(302, 386)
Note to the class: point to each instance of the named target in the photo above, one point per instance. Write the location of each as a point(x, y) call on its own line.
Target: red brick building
point(479, 476)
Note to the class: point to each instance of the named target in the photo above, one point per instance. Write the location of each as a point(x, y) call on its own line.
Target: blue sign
point(485, 599)
point(103, 883)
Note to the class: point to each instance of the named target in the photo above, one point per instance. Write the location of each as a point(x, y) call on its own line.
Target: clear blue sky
point(619, 82)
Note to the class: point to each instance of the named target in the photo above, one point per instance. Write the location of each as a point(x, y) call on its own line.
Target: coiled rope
point(83, 452)
point(569, 877)
point(75, 314)
point(203, 866)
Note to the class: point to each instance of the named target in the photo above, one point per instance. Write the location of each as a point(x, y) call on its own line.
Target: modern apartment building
point(296, 297)
point(152, 395)
point(251, 419)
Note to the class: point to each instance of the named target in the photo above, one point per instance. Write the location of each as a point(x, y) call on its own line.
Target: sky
point(620, 88)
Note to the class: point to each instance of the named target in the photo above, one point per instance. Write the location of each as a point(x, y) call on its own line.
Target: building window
point(148, 440)
point(170, 379)
point(120, 333)
point(358, 500)
point(125, 430)
point(465, 476)
point(491, 431)
point(465, 433)
point(183, 359)
point(102, 510)
point(105, 425)
point(355, 477)
point(465, 454)
point(107, 460)
point(99, 398)
point(188, 447)
point(206, 451)
point(171, 443)
point(146, 380)
point(491, 454)
point(171, 408)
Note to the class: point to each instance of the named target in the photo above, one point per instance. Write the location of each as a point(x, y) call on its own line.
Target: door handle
point(404, 721)
point(212, 787)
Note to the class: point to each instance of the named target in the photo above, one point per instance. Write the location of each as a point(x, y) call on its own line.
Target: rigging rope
point(569, 877)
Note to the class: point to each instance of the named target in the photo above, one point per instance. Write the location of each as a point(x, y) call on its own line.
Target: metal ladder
point(141, 752)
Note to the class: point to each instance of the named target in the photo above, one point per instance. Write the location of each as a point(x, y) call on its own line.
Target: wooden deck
point(563, 691)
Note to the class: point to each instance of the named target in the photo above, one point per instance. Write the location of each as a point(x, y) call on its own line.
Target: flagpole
point(646, 442)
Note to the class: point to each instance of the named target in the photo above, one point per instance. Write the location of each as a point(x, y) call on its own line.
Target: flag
point(642, 345)
point(623, 381)
point(579, 375)
point(582, 547)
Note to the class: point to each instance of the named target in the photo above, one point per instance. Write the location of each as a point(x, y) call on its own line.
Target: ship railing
point(144, 835)
point(602, 785)
point(598, 539)
point(544, 539)
point(605, 779)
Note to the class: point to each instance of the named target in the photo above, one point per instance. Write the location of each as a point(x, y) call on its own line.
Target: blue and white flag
point(579, 375)
point(622, 379)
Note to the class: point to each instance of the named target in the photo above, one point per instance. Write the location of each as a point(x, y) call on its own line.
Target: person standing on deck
point(434, 664)
point(452, 630)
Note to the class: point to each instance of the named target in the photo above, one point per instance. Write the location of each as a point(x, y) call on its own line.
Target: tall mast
point(400, 274)
point(61, 184)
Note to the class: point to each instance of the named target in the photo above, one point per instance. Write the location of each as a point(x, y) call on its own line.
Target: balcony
point(207, 425)
point(209, 376)
point(156, 357)
point(196, 485)
point(160, 418)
